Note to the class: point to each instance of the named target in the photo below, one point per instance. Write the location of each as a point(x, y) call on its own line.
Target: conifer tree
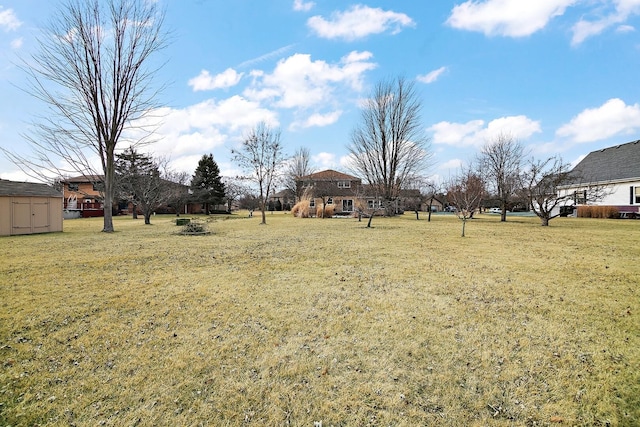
point(206, 184)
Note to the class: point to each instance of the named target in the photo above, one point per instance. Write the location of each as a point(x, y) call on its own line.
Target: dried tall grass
point(301, 209)
point(608, 212)
point(329, 211)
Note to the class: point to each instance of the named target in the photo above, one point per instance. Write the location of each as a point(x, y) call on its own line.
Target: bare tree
point(261, 155)
point(143, 181)
point(501, 162)
point(298, 166)
point(179, 195)
point(368, 202)
point(419, 189)
point(233, 190)
point(544, 182)
point(93, 72)
point(465, 193)
point(389, 145)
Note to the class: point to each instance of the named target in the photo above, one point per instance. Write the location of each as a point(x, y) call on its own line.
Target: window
point(347, 205)
point(580, 197)
point(344, 184)
point(330, 201)
point(73, 187)
point(312, 203)
point(637, 192)
point(97, 186)
point(374, 204)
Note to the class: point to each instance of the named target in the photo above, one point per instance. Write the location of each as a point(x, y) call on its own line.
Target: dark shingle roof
point(25, 189)
point(329, 175)
point(620, 162)
point(83, 179)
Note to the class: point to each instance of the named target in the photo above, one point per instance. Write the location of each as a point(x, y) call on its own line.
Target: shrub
point(195, 228)
point(598, 212)
point(329, 210)
point(301, 209)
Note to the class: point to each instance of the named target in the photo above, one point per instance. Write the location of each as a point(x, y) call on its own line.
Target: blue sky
point(559, 75)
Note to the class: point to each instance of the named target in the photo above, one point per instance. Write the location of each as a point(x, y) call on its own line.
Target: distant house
point(283, 199)
point(339, 189)
point(28, 208)
point(83, 196)
point(614, 171)
point(434, 201)
point(347, 194)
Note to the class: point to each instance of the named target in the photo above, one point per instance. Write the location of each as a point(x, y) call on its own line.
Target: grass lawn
point(310, 320)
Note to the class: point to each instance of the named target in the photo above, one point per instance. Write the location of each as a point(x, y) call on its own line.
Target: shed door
point(39, 215)
point(30, 215)
point(21, 216)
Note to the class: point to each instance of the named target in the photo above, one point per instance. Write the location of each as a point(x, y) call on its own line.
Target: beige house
point(28, 208)
point(346, 194)
point(343, 191)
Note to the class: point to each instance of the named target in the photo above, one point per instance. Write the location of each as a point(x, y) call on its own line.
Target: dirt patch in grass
point(306, 320)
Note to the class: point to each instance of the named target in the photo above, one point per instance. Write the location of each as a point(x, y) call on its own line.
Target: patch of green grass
point(307, 320)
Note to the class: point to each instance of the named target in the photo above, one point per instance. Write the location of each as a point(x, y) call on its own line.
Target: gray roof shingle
point(26, 189)
point(621, 162)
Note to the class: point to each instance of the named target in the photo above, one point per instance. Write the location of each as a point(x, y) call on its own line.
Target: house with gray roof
point(613, 173)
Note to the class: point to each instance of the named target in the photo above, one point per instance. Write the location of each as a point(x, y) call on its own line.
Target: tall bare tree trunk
point(93, 71)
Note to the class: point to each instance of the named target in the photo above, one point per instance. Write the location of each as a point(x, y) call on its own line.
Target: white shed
point(27, 208)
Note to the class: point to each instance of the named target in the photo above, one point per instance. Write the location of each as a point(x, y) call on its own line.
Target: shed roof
point(22, 189)
point(621, 162)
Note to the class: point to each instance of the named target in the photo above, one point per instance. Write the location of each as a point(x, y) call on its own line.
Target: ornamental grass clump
point(301, 209)
point(598, 212)
point(329, 210)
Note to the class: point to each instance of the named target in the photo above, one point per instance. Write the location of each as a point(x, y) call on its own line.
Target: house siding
point(616, 169)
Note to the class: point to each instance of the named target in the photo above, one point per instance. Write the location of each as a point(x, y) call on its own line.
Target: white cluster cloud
point(299, 82)
point(311, 89)
point(612, 118)
point(302, 6)
point(431, 76)
point(317, 120)
point(17, 43)
point(205, 81)
point(8, 20)
point(518, 18)
point(623, 9)
point(512, 18)
point(452, 164)
point(359, 22)
point(324, 159)
point(475, 133)
point(186, 133)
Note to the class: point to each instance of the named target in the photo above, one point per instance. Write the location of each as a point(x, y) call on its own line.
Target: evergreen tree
point(132, 169)
point(206, 184)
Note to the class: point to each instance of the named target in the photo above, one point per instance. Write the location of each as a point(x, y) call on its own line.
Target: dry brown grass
point(329, 211)
point(299, 321)
point(598, 212)
point(301, 209)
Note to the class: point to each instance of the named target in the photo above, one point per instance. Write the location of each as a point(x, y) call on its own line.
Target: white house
point(613, 173)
